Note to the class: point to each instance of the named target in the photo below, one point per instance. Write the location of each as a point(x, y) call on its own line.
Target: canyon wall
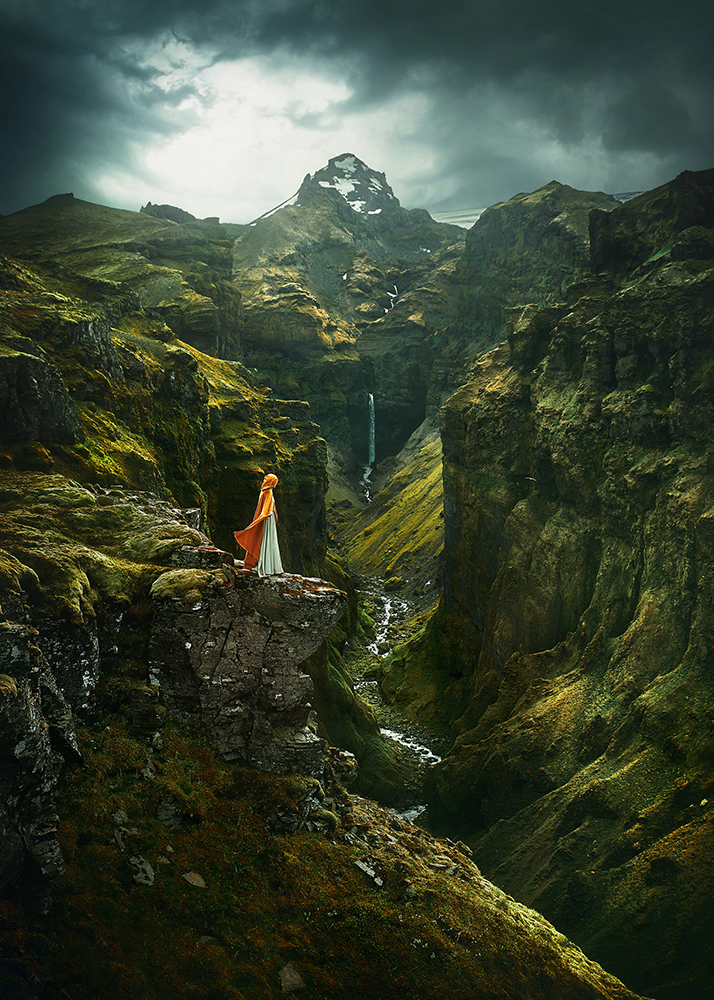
point(576, 616)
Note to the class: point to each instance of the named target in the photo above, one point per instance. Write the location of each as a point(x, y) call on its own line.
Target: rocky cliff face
point(226, 664)
point(672, 222)
point(78, 567)
point(577, 605)
point(528, 249)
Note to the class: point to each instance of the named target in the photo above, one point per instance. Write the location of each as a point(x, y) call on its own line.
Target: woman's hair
point(269, 482)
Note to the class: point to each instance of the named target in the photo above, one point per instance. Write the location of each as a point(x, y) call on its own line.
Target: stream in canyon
point(417, 748)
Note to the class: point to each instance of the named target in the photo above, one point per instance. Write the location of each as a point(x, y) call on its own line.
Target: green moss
point(400, 534)
point(266, 899)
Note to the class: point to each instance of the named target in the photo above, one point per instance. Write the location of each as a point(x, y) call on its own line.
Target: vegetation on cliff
point(574, 633)
point(96, 385)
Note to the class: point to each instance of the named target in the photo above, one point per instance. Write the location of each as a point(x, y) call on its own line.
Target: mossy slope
point(119, 400)
point(379, 907)
point(180, 273)
point(399, 534)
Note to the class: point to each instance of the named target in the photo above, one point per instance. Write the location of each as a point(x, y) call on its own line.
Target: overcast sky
point(222, 106)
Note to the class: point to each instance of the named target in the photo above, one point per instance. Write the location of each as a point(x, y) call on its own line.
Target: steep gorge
point(570, 651)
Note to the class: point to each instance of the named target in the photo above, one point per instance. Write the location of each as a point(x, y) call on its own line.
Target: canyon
point(540, 492)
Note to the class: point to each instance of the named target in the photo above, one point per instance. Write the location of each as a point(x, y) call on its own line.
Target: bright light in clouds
point(245, 147)
point(235, 138)
point(243, 138)
point(223, 107)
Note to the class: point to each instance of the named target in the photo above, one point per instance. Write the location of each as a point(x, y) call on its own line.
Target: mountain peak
point(365, 190)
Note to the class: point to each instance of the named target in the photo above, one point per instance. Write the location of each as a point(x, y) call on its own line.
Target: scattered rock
point(290, 978)
point(143, 873)
point(168, 813)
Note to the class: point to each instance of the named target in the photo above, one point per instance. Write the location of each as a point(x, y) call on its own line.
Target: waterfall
point(365, 481)
point(371, 430)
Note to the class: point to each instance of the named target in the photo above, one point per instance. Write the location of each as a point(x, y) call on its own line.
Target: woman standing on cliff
point(260, 538)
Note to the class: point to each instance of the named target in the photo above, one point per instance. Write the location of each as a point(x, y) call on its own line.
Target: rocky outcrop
point(225, 655)
point(672, 222)
point(76, 569)
point(167, 212)
point(37, 736)
point(115, 402)
point(387, 903)
point(576, 617)
point(365, 190)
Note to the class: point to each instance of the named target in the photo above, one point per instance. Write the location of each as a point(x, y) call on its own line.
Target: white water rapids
point(418, 749)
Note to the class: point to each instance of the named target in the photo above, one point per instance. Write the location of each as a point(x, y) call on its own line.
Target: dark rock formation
point(655, 227)
point(37, 736)
point(226, 660)
point(167, 212)
point(528, 249)
point(576, 619)
point(34, 402)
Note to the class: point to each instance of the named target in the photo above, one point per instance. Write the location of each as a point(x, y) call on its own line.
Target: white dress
point(269, 563)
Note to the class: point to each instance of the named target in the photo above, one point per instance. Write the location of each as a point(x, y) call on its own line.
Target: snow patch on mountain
point(365, 190)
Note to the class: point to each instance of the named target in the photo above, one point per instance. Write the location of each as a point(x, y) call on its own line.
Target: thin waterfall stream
point(371, 449)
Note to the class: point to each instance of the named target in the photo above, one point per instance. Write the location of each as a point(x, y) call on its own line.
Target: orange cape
point(251, 538)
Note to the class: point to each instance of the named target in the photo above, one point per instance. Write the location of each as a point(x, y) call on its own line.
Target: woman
point(260, 538)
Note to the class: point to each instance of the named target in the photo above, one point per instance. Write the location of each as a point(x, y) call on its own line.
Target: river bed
point(418, 748)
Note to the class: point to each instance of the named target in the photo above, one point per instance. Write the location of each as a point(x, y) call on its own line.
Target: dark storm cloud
point(77, 88)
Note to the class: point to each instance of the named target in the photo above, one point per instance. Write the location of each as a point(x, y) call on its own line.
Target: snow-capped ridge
point(365, 190)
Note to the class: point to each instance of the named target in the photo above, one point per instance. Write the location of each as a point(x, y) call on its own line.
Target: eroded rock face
point(577, 608)
point(672, 222)
point(225, 656)
point(37, 736)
